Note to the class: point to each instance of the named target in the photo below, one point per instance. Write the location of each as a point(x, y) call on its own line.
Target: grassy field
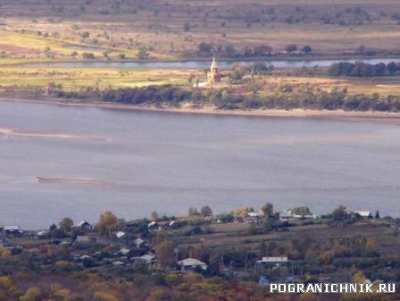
point(74, 79)
point(169, 29)
point(66, 30)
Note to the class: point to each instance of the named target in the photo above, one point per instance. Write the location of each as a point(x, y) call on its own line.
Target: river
point(203, 64)
point(138, 162)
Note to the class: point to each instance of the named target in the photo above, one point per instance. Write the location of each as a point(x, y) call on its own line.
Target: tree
point(186, 26)
point(197, 252)
point(301, 211)
point(377, 215)
point(380, 69)
point(205, 48)
point(241, 212)
point(392, 67)
point(106, 53)
point(360, 49)
point(85, 35)
point(306, 49)
point(359, 277)
point(193, 211)
point(263, 248)
point(165, 253)
point(268, 209)
point(31, 294)
point(206, 211)
point(142, 54)
point(48, 52)
point(226, 218)
point(230, 50)
point(66, 224)
point(262, 50)
point(154, 216)
point(103, 296)
point(339, 213)
point(291, 48)
point(107, 223)
point(53, 227)
point(88, 55)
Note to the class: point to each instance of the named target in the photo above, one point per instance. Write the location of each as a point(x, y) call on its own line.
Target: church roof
point(214, 64)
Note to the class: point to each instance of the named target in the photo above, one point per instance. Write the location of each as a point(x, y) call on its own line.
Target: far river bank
point(365, 116)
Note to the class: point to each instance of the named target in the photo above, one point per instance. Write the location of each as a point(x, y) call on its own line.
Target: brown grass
point(158, 25)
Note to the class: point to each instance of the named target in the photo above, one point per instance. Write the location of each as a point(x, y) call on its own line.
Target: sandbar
point(72, 181)
point(11, 132)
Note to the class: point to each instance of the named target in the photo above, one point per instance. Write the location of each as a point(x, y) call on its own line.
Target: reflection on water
point(170, 162)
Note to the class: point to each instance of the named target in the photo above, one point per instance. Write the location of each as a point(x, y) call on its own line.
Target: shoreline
point(368, 116)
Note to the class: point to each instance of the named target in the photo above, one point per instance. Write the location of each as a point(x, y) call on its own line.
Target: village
point(244, 244)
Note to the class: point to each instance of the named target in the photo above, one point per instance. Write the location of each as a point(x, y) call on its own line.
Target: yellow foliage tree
point(5, 253)
point(103, 296)
point(32, 294)
point(108, 222)
point(5, 282)
point(359, 277)
point(241, 212)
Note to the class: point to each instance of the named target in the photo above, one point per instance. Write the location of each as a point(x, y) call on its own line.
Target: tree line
point(207, 49)
point(232, 98)
point(361, 69)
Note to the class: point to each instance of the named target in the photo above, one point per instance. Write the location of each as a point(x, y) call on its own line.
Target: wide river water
point(167, 162)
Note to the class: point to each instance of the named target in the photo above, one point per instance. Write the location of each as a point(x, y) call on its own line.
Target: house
point(153, 226)
point(254, 214)
point(120, 234)
point(191, 263)
point(84, 225)
point(138, 242)
point(364, 214)
point(147, 258)
point(122, 252)
point(12, 230)
point(285, 215)
point(278, 259)
point(82, 239)
point(42, 233)
point(254, 217)
point(82, 258)
point(165, 225)
point(275, 261)
point(117, 263)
